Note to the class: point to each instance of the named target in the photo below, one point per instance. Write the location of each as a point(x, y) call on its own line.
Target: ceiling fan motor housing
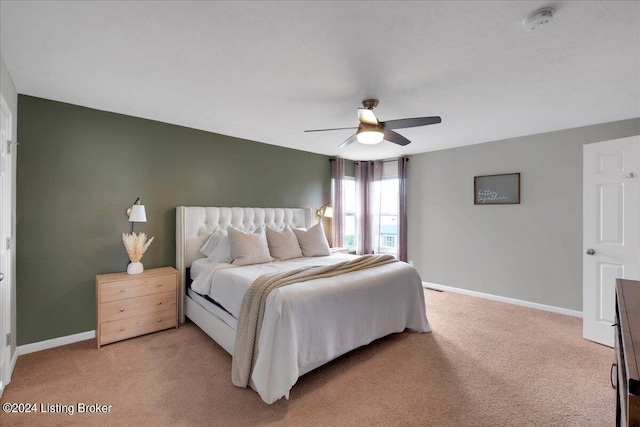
point(367, 127)
point(370, 104)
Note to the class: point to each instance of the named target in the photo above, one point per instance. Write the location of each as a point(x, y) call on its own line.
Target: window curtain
point(402, 209)
point(368, 176)
point(337, 201)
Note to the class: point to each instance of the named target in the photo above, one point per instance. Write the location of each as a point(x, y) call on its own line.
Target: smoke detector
point(538, 18)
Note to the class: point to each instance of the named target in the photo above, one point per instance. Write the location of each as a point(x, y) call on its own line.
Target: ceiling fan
point(371, 131)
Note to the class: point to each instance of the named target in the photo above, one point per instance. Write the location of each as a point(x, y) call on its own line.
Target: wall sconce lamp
point(136, 213)
point(325, 211)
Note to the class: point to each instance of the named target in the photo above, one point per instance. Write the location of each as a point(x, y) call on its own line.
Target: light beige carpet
point(485, 364)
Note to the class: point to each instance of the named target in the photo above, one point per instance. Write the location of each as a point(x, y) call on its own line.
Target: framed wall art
point(503, 189)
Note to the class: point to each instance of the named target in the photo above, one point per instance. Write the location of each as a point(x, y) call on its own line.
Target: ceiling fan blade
point(348, 141)
point(322, 130)
point(396, 138)
point(410, 123)
point(366, 115)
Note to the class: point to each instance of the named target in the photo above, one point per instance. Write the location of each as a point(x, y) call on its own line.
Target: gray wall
point(531, 251)
point(10, 95)
point(78, 171)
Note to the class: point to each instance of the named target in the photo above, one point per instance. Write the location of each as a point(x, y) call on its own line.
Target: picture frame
point(502, 189)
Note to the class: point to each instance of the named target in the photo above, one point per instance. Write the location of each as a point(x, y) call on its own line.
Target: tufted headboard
point(195, 224)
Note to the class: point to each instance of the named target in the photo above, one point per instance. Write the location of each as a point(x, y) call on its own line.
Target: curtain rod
point(383, 160)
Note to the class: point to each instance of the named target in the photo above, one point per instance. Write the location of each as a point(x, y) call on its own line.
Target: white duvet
point(311, 323)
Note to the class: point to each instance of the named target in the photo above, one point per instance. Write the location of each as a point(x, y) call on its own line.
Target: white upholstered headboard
point(194, 225)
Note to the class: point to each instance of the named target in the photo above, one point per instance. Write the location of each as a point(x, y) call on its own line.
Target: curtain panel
point(368, 175)
point(402, 208)
point(337, 201)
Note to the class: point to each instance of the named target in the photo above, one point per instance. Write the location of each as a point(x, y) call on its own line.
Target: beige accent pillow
point(313, 242)
point(248, 248)
point(283, 244)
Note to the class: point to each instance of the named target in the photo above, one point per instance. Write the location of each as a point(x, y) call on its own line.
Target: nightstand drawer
point(138, 325)
point(119, 290)
point(117, 310)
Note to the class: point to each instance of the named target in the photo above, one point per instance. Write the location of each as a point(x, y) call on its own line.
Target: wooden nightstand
point(129, 305)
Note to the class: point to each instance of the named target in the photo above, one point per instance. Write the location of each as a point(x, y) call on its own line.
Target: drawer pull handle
point(159, 320)
point(121, 290)
point(121, 310)
point(121, 329)
point(614, 376)
point(160, 303)
point(160, 284)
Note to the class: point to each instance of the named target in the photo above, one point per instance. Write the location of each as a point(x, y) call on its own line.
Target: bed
point(305, 325)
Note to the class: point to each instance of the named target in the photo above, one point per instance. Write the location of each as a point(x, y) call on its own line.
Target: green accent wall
point(78, 171)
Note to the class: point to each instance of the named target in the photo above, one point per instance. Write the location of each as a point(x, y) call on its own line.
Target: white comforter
point(314, 322)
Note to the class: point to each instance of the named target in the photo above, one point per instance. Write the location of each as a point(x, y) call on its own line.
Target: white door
point(5, 233)
point(611, 227)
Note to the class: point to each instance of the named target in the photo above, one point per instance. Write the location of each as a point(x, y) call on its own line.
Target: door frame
point(7, 287)
point(617, 257)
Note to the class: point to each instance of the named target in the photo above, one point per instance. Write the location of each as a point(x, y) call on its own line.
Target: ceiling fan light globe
point(370, 137)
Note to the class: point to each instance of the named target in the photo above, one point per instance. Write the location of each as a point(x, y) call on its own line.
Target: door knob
point(1, 277)
point(590, 251)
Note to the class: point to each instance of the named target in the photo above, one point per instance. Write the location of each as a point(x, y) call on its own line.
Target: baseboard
point(551, 308)
point(54, 342)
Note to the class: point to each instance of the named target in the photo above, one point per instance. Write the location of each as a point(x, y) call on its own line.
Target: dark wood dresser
point(627, 352)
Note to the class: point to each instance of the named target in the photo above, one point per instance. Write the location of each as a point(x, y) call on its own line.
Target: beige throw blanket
point(253, 306)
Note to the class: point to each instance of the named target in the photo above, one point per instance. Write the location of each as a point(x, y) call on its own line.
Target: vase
point(135, 268)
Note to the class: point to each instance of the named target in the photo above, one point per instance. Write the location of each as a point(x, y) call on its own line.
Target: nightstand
point(129, 305)
point(339, 250)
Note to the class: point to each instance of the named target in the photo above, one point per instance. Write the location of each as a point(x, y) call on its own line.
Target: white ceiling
point(266, 71)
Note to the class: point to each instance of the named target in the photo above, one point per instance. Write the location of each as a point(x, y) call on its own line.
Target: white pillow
point(247, 249)
point(222, 252)
point(283, 244)
point(313, 242)
point(211, 243)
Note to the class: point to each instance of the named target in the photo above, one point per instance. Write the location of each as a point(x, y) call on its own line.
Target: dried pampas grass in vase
point(136, 245)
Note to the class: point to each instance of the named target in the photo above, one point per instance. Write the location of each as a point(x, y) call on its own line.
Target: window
point(380, 216)
point(388, 220)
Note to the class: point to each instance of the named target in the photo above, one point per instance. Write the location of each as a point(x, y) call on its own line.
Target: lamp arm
point(137, 202)
point(320, 212)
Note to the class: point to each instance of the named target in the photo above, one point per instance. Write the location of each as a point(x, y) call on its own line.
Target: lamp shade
point(328, 212)
point(138, 214)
